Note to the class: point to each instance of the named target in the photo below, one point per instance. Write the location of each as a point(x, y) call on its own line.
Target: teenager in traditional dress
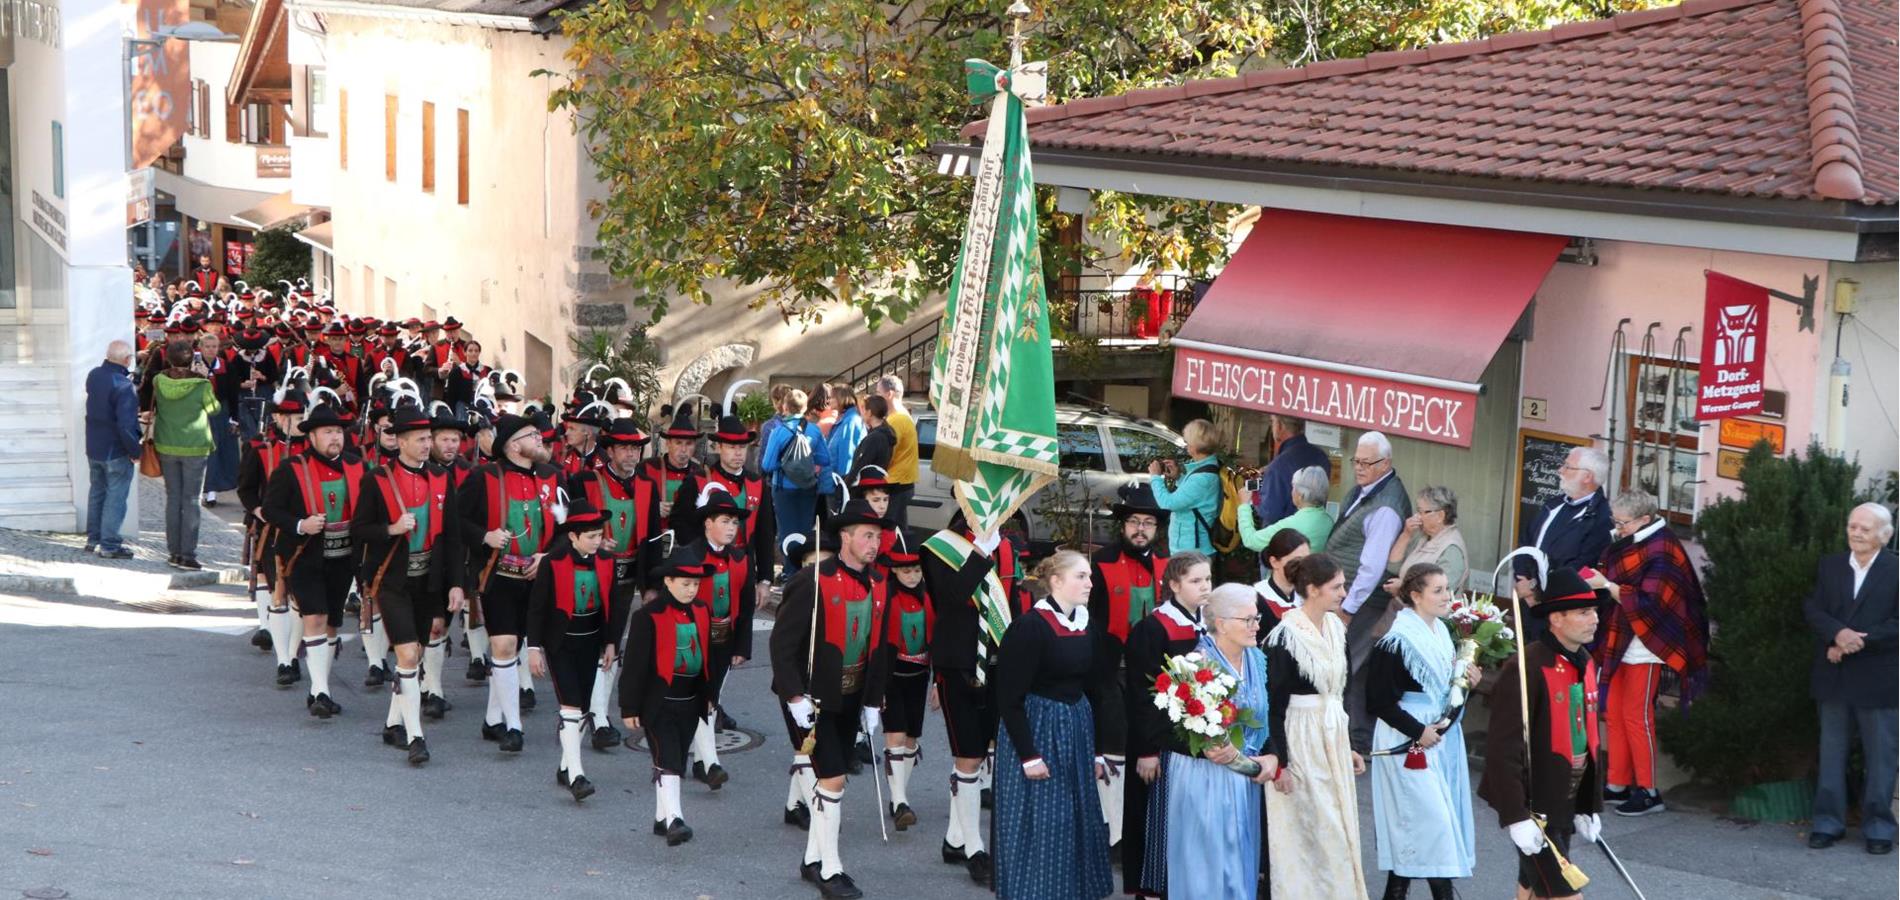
point(1555, 793)
point(1214, 812)
point(1275, 592)
point(308, 502)
point(973, 581)
point(380, 453)
point(1123, 588)
point(572, 627)
point(281, 440)
point(1421, 799)
point(447, 434)
point(800, 782)
point(1312, 810)
point(407, 525)
point(1051, 841)
point(630, 507)
point(674, 467)
point(829, 668)
point(712, 521)
point(508, 515)
point(910, 617)
point(664, 691)
point(731, 443)
point(1172, 629)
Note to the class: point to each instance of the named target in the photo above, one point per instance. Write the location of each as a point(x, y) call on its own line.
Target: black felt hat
point(1567, 589)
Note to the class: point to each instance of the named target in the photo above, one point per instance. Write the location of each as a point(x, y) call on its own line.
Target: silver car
point(1101, 451)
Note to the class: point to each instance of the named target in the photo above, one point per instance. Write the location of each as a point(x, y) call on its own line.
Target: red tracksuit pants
point(1632, 724)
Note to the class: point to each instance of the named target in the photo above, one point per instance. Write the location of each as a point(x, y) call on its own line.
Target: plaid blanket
point(1659, 602)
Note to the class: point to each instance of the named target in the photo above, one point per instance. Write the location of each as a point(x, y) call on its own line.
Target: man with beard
point(309, 502)
point(629, 507)
point(260, 460)
point(1127, 577)
point(508, 515)
point(406, 522)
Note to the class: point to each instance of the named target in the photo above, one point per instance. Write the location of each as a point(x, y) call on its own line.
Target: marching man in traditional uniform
point(572, 628)
point(676, 467)
point(829, 667)
point(282, 439)
point(1124, 590)
point(509, 513)
point(1541, 771)
point(664, 691)
point(630, 507)
point(406, 521)
point(309, 502)
point(447, 434)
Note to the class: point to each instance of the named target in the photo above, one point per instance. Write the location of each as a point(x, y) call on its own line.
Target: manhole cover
point(44, 893)
point(727, 740)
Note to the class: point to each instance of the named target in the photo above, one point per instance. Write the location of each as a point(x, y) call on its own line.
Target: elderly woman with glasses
point(1429, 537)
point(1310, 518)
point(1214, 811)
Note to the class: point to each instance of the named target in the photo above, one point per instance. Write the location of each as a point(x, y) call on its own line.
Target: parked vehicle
point(1101, 451)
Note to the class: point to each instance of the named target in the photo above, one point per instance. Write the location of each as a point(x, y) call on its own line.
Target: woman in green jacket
point(182, 400)
point(1310, 518)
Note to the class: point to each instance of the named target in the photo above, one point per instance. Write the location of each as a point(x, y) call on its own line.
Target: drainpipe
point(1840, 375)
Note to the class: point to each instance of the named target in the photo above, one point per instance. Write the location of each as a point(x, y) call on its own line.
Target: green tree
point(630, 355)
point(1756, 723)
point(278, 256)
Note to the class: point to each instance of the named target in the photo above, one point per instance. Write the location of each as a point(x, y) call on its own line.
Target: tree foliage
point(278, 256)
point(787, 143)
point(1756, 722)
point(630, 355)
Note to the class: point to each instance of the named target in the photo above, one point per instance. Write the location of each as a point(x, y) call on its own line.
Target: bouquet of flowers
point(1481, 636)
point(1196, 695)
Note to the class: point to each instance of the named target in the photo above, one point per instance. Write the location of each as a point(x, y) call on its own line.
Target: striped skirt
point(1051, 842)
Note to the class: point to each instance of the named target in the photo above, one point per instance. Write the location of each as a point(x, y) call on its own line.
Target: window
point(1135, 448)
point(317, 99)
point(428, 147)
point(1659, 398)
point(1080, 447)
point(261, 123)
point(389, 137)
point(343, 129)
point(461, 156)
point(926, 437)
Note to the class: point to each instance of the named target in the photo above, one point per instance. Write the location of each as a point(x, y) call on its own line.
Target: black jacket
point(369, 530)
point(1870, 677)
point(796, 670)
point(641, 688)
point(875, 450)
point(547, 624)
point(1575, 540)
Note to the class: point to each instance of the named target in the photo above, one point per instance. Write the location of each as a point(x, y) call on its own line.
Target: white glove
point(802, 712)
point(1589, 826)
point(1527, 836)
point(872, 719)
point(988, 543)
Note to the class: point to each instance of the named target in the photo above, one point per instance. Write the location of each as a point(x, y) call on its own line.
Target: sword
point(877, 784)
point(1617, 864)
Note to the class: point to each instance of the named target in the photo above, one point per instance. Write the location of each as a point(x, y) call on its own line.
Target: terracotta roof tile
point(1793, 99)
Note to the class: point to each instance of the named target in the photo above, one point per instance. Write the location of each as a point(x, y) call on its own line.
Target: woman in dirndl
point(1214, 811)
point(1421, 795)
point(1312, 808)
point(1051, 841)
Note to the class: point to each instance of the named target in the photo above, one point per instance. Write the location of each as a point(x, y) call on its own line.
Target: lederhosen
point(663, 678)
point(316, 569)
point(727, 595)
point(666, 482)
point(850, 665)
point(570, 616)
point(1125, 591)
point(403, 574)
point(502, 496)
point(909, 619)
point(259, 461)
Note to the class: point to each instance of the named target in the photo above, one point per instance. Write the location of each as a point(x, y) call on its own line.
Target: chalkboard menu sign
point(1540, 454)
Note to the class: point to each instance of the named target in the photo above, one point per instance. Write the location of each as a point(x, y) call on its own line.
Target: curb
point(16, 583)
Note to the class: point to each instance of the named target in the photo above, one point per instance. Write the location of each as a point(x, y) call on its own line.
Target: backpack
point(795, 461)
point(1224, 531)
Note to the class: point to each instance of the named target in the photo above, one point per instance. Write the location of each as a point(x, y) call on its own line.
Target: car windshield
point(1136, 448)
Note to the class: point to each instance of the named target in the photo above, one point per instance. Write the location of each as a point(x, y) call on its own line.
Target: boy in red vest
point(665, 691)
point(630, 508)
point(572, 620)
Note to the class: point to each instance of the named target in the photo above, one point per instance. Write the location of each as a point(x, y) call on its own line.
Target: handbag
point(148, 457)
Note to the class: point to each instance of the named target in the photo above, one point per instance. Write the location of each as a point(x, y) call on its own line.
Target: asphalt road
point(145, 754)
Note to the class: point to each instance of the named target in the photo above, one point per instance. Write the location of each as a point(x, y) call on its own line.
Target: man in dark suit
point(1274, 500)
point(1855, 615)
point(1573, 530)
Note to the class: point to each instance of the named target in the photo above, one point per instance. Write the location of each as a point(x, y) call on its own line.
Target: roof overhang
point(272, 212)
point(262, 69)
point(203, 201)
point(319, 237)
point(1807, 229)
point(535, 24)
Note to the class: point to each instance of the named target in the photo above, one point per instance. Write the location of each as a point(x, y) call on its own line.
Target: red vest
point(604, 485)
point(310, 484)
point(838, 589)
point(1175, 630)
point(564, 583)
point(516, 486)
point(735, 570)
point(1120, 577)
point(900, 603)
point(666, 636)
point(751, 489)
point(434, 487)
point(1559, 677)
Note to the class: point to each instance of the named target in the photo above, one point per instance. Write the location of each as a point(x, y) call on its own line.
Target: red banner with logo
point(1400, 409)
point(1734, 348)
point(161, 79)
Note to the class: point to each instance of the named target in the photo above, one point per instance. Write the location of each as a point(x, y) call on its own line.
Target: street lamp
point(136, 47)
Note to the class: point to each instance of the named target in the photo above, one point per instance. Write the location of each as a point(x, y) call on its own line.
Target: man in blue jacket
point(112, 442)
point(1274, 500)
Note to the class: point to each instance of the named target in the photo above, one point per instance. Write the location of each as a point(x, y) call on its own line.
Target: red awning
point(1367, 323)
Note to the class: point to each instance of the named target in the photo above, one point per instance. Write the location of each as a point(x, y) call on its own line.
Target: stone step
point(29, 406)
point(31, 441)
point(39, 516)
point(29, 490)
point(16, 377)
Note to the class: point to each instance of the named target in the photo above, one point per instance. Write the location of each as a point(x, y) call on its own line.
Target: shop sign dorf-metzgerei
point(1400, 409)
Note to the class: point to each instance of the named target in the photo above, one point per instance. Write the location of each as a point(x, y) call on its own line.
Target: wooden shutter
point(343, 129)
point(428, 147)
point(389, 137)
point(461, 156)
point(233, 123)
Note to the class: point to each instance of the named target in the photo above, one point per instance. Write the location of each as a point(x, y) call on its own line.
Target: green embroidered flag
point(992, 380)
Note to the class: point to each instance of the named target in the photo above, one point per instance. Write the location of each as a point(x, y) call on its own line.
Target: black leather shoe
point(261, 640)
point(810, 872)
point(799, 816)
point(527, 699)
point(903, 817)
point(478, 670)
point(560, 777)
point(286, 675)
point(1880, 848)
point(605, 737)
point(190, 564)
point(839, 887)
point(511, 741)
point(581, 788)
point(320, 706)
point(434, 706)
point(725, 722)
point(980, 868)
point(1819, 841)
point(395, 735)
point(336, 709)
point(714, 777)
point(375, 677)
point(953, 855)
point(492, 731)
point(678, 832)
point(659, 829)
point(418, 752)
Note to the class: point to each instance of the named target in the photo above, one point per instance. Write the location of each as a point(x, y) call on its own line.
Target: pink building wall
point(1578, 307)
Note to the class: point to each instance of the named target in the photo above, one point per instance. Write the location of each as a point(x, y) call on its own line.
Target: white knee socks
point(571, 742)
point(705, 750)
point(801, 783)
point(318, 649)
point(376, 644)
point(262, 596)
point(281, 643)
point(966, 813)
point(434, 657)
point(821, 844)
point(1109, 790)
point(409, 700)
point(898, 763)
point(504, 685)
point(603, 694)
point(477, 640)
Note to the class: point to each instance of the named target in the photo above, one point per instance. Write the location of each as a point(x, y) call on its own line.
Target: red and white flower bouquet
point(1197, 696)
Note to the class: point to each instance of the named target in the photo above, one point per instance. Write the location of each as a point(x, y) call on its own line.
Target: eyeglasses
point(1426, 512)
point(1368, 463)
point(1246, 620)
